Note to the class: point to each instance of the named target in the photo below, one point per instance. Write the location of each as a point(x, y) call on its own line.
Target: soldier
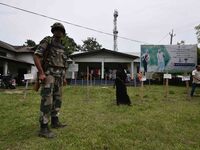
point(50, 60)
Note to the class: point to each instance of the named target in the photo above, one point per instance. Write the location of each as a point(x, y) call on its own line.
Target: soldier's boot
point(45, 131)
point(55, 123)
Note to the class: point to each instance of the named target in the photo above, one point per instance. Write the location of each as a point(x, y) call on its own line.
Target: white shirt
point(160, 57)
point(196, 74)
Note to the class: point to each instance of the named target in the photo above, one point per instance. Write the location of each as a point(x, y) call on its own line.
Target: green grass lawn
point(96, 123)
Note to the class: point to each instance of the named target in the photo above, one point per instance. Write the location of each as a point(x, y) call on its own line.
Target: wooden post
point(187, 86)
point(87, 93)
point(87, 75)
point(91, 79)
point(27, 77)
point(167, 88)
point(135, 82)
point(106, 79)
point(187, 90)
point(142, 90)
point(94, 83)
point(141, 79)
point(25, 90)
point(75, 77)
point(167, 77)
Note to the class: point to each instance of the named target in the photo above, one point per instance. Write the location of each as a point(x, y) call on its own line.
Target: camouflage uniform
point(54, 66)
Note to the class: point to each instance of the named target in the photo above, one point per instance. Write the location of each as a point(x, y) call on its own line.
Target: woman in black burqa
point(121, 90)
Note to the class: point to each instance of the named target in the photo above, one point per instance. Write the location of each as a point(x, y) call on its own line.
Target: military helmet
point(57, 26)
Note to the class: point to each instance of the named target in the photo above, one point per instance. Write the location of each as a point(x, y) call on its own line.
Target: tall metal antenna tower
point(115, 32)
point(171, 36)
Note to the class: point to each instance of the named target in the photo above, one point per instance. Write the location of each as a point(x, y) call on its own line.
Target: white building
point(105, 60)
point(16, 61)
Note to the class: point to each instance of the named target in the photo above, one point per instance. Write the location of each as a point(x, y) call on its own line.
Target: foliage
point(69, 44)
point(198, 55)
point(197, 28)
point(96, 123)
point(30, 43)
point(91, 44)
point(181, 42)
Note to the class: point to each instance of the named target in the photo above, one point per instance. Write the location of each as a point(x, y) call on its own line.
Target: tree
point(181, 42)
point(30, 43)
point(197, 28)
point(70, 45)
point(198, 55)
point(90, 44)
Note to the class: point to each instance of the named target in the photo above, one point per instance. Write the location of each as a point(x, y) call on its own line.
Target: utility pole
point(171, 36)
point(115, 32)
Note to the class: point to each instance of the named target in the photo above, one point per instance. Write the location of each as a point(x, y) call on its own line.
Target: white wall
point(10, 54)
point(103, 57)
point(27, 57)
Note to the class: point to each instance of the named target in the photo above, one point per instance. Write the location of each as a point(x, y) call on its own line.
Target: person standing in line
point(196, 79)
point(51, 62)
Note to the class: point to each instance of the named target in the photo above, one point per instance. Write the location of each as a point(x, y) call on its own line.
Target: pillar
point(132, 70)
point(73, 73)
point(102, 70)
point(5, 71)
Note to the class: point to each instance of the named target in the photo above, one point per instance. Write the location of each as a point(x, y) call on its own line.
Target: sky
point(146, 21)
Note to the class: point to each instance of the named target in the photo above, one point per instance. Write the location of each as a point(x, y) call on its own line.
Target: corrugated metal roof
point(24, 49)
point(16, 49)
point(104, 50)
point(15, 60)
point(7, 46)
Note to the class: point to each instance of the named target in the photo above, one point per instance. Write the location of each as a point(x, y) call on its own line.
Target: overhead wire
point(73, 24)
point(163, 38)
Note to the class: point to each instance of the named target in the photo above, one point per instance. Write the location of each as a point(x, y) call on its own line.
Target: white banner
point(28, 76)
point(186, 78)
point(73, 68)
point(144, 78)
point(167, 76)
